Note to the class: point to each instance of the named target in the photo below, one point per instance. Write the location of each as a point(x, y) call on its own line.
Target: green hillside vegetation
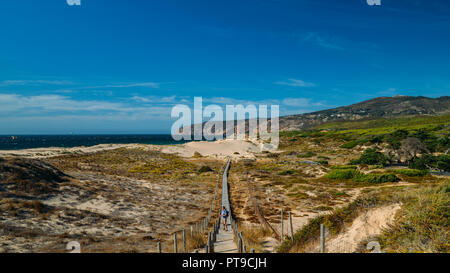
point(358, 176)
point(366, 154)
point(433, 131)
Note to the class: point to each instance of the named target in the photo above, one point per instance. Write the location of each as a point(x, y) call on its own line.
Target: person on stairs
point(224, 215)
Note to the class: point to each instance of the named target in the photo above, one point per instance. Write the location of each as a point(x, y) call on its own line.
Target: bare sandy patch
point(57, 151)
point(369, 224)
point(217, 149)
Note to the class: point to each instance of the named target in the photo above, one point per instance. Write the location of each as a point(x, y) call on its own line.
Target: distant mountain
point(375, 108)
point(380, 107)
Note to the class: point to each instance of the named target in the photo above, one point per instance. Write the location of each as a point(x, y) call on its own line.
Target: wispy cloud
point(127, 85)
point(154, 99)
point(78, 85)
point(50, 103)
point(41, 113)
point(323, 40)
point(296, 83)
point(34, 82)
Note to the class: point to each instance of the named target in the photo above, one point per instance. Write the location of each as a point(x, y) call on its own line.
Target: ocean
point(69, 141)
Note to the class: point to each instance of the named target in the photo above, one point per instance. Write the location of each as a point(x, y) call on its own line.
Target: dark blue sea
point(68, 141)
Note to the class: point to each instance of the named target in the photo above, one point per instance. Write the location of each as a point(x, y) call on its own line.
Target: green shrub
point(322, 162)
point(350, 145)
point(441, 162)
point(342, 174)
point(344, 167)
point(371, 157)
point(409, 172)
point(376, 178)
point(286, 172)
point(205, 169)
point(395, 138)
point(358, 176)
point(306, 155)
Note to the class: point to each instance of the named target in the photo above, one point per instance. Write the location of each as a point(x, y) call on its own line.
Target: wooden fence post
point(292, 228)
point(322, 238)
point(209, 242)
point(184, 241)
point(159, 247)
point(282, 226)
point(243, 243)
point(175, 246)
point(239, 245)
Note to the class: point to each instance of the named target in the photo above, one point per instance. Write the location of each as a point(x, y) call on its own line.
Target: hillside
point(381, 107)
point(375, 108)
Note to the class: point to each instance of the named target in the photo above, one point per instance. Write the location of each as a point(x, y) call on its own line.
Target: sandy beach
point(218, 149)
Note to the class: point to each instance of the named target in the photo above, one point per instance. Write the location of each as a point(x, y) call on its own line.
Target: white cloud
point(322, 40)
point(297, 102)
point(154, 99)
point(23, 112)
point(296, 83)
point(127, 85)
point(34, 82)
point(22, 105)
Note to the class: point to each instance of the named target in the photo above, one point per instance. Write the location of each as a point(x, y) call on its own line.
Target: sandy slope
point(56, 151)
point(367, 225)
point(216, 149)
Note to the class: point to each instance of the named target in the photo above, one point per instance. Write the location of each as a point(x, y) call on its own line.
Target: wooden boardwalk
point(225, 239)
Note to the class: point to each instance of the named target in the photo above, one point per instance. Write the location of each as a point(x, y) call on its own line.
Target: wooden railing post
point(239, 244)
point(322, 238)
point(282, 225)
point(184, 241)
point(175, 246)
point(291, 226)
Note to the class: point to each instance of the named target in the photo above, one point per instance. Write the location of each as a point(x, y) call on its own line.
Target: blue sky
point(119, 66)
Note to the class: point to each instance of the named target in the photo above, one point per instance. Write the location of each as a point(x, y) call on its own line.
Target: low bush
point(350, 145)
point(342, 174)
point(441, 162)
point(322, 162)
point(306, 155)
point(409, 172)
point(344, 167)
point(376, 178)
point(205, 169)
point(371, 157)
point(358, 176)
point(286, 172)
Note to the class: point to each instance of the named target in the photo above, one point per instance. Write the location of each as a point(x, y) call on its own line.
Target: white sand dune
point(216, 149)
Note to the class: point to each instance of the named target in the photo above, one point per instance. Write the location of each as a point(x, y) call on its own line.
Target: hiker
point(224, 215)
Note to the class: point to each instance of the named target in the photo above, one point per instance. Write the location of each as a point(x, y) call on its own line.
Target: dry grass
point(424, 222)
point(254, 237)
